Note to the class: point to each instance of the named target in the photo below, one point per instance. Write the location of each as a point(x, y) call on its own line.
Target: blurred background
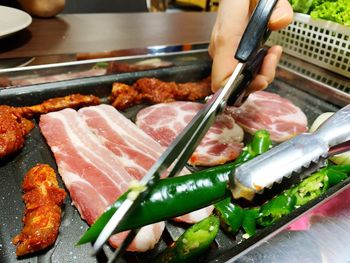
point(122, 6)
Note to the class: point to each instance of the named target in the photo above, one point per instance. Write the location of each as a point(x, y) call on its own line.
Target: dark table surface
point(74, 33)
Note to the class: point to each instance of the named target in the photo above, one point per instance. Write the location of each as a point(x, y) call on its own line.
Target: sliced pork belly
point(145, 239)
point(136, 149)
point(165, 121)
point(94, 175)
point(269, 111)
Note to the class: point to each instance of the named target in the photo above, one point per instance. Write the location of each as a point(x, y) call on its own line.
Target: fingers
point(281, 16)
point(232, 19)
point(268, 70)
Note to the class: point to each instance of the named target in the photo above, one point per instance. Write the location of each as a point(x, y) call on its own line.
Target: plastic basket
point(323, 43)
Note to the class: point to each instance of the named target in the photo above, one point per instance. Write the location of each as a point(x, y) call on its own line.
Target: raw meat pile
point(99, 152)
point(92, 149)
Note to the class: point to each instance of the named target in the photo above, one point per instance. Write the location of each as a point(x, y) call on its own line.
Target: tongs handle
point(256, 31)
point(336, 129)
point(290, 157)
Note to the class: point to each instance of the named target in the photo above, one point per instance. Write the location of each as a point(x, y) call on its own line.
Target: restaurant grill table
point(326, 238)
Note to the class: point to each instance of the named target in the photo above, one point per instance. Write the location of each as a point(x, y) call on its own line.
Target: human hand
point(232, 19)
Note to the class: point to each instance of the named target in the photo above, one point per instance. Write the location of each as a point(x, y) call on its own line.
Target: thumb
point(281, 16)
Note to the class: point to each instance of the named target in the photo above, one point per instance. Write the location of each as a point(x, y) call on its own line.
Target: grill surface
point(13, 168)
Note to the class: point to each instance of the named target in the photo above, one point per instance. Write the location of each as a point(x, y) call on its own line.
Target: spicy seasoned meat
point(42, 217)
point(13, 129)
point(152, 90)
point(14, 125)
point(55, 104)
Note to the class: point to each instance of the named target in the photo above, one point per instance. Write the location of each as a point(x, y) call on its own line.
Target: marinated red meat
point(43, 198)
point(152, 90)
point(13, 129)
point(56, 104)
point(14, 126)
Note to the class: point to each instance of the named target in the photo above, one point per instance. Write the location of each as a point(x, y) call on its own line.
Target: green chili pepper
point(176, 196)
point(260, 143)
point(249, 221)
point(345, 168)
point(337, 173)
point(310, 188)
point(307, 190)
point(171, 197)
point(335, 177)
point(275, 209)
point(192, 243)
point(231, 216)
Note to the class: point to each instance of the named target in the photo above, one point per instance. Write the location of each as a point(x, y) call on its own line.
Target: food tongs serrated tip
point(291, 158)
point(250, 57)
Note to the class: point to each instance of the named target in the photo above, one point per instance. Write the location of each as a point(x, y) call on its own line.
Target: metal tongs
point(250, 58)
point(307, 151)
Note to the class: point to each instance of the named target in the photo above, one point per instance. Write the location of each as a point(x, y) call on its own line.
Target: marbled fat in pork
point(163, 122)
point(269, 111)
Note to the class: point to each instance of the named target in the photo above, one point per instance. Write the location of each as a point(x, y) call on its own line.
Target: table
point(72, 33)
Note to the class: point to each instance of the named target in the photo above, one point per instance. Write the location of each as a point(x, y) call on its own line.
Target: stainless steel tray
point(196, 66)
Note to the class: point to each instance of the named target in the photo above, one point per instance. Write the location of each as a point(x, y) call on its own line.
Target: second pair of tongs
point(250, 57)
point(307, 151)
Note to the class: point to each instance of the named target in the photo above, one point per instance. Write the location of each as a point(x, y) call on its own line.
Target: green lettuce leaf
point(301, 6)
point(338, 12)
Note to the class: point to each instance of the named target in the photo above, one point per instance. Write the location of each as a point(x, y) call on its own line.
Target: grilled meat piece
point(42, 198)
point(13, 129)
point(14, 125)
point(152, 90)
point(55, 104)
point(115, 67)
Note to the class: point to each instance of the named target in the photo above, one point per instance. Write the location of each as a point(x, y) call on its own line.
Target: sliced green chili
point(249, 221)
point(231, 215)
point(275, 209)
point(192, 243)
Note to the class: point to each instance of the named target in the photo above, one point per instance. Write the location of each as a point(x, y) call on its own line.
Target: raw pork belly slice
point(165, 121)
point(136, 149)
point(269, 111)
point(94, 175)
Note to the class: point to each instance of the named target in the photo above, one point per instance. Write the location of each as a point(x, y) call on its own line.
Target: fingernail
point(278, 15)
